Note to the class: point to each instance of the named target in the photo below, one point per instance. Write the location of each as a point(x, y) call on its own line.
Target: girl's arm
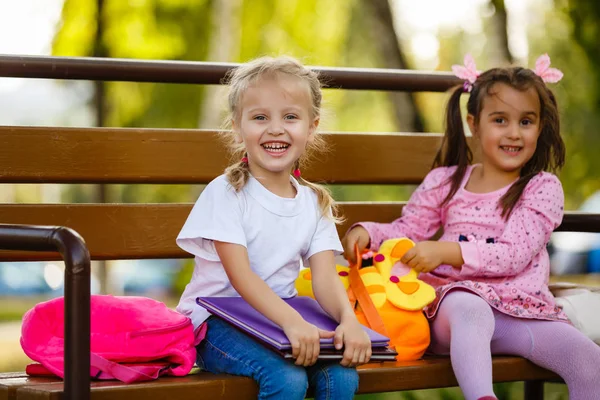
point(328, 288)
point(428, 255)
point(331, 295)
point(527, 232)
point(304, 337)
point(421, 216)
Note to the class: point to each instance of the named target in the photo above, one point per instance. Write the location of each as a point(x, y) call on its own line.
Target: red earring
point(297, 173)
point(245, 160)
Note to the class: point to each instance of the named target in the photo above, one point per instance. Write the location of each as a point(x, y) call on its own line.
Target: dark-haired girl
point(490, 267)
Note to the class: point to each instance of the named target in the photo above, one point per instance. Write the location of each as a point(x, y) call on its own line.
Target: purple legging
point(470, 330)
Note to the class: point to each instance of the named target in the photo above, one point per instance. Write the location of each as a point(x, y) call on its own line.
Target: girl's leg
point(227, 350)
point(464, 325)
point(554, 345)
point(333, 381)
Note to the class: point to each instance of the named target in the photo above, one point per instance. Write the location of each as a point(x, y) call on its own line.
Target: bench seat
point(429, 373)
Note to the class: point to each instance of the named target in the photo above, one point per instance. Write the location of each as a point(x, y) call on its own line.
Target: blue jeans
point(227, 350)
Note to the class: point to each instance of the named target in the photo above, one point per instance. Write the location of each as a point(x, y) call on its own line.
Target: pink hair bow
point(543, 70)
point(468, 72)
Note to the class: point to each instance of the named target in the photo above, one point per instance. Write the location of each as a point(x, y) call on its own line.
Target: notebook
point(240, 314)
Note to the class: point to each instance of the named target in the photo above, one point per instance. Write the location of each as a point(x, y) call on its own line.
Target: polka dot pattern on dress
point(509, 271)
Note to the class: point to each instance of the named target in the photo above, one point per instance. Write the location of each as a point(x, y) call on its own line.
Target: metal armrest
point(76, 256)
point(575, 221)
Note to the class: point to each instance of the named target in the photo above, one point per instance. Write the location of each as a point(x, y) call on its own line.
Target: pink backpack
point(132, 339)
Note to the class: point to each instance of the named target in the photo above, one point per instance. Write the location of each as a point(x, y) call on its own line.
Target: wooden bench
point(147, 231)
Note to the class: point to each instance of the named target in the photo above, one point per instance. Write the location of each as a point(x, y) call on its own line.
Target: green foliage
point(184, 275)
point(75, 36)
point(563, 33)
point(312, 30)
point(154, 29)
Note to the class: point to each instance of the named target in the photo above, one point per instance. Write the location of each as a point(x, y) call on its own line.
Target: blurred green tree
point(567, 32)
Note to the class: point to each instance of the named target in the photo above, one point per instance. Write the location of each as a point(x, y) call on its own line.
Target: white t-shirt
point(279, 233)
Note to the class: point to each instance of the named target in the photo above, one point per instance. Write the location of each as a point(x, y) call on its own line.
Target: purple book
point(240, 314)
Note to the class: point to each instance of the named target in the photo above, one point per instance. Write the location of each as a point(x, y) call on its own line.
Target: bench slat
point(122, 231)
point(432, 373)
point(196, 387)
point(111, 155)
point(374, 378)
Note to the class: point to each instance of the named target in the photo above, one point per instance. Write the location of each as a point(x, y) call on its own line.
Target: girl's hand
point(424, 257)
point(355, 236)
point(305, 340)
point(357, 344)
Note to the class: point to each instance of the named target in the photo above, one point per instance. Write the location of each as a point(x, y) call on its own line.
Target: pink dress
point(506, 262)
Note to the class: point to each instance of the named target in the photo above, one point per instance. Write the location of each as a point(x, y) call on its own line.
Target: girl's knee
point(333, 381)
point(289, 383)
point(344, 381)
point(467, 308)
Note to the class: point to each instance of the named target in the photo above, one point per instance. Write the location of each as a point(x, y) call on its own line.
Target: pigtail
point(510, 199)
point(237, 174)
point(327, 205)
point(454, 149)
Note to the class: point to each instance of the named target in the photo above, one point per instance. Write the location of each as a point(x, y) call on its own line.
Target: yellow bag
point(387, 297)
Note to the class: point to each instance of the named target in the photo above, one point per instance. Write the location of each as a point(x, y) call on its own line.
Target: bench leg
point(534, 390)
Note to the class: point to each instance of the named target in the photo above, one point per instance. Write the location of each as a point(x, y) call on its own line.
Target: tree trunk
point(502, 54)
point(386, 40)
point(101, 193)
point(224, 43)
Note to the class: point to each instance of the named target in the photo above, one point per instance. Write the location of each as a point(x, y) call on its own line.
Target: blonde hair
point(239, 80)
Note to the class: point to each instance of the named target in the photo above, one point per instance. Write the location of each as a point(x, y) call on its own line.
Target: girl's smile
point(276, 148)
point(511, 150)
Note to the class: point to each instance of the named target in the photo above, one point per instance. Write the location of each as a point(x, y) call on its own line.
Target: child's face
point(508, 128)
point(275, 124)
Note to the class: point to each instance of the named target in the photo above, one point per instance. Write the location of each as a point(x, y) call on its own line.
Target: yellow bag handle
point(358, 292)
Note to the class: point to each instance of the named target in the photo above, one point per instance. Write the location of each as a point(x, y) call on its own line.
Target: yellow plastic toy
point(304, 280)
point(397, 298)
point(402, 286)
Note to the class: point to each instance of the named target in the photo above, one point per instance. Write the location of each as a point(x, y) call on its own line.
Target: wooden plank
point(117, 155)
point(374, 378)
point(111, 231)
point(121, 231)
point(10, 382)
point(437, 373)
point(191, 387)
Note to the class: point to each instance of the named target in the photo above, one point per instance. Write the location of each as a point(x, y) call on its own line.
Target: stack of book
point(236, 311)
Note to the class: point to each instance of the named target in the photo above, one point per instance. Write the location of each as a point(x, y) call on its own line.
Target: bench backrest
point(113, 231)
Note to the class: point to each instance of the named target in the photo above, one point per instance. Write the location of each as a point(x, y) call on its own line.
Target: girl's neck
point(485, 180)
point(277, 183)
